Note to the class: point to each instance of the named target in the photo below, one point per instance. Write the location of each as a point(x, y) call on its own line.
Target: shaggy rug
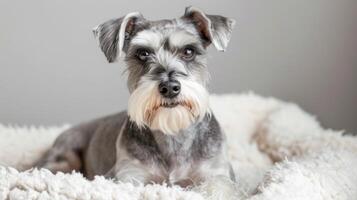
point(278, 152)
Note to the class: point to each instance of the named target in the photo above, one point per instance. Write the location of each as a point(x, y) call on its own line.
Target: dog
point(168, 133)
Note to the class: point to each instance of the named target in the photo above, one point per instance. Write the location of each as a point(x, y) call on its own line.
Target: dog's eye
point(188, 53)
point(143, 54)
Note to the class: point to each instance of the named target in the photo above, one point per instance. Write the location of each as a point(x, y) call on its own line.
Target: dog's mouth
point(174, 103)
point(169, 104)
point(150, 113)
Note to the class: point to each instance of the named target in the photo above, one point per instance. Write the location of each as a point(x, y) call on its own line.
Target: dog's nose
point(170, 89)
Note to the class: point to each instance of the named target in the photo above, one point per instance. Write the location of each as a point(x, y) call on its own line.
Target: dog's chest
point(176, 150)
point(180, 156)
point(174, 155)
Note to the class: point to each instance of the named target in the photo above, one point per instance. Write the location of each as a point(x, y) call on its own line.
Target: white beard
point(145, 106)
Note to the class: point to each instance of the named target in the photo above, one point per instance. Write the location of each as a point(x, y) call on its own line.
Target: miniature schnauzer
point(168, 134)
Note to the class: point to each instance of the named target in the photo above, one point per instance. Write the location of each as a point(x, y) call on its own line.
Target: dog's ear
point(114, 34)
point(213, 29)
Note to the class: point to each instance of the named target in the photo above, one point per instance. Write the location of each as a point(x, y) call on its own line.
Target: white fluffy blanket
point(278, 151)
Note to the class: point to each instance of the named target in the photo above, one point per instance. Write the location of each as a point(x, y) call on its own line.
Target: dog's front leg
point(131, 171)
point(218, 180)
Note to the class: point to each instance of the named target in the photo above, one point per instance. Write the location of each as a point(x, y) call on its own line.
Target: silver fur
point(173, 140)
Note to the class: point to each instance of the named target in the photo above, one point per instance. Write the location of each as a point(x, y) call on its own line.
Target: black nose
point(170, 89)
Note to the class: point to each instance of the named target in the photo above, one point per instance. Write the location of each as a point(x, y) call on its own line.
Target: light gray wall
point(52, 72)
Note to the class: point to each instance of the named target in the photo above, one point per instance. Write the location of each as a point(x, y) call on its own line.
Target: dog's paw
point(219, 188)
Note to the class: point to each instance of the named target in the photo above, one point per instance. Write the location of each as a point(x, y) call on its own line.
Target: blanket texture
point(278, 152)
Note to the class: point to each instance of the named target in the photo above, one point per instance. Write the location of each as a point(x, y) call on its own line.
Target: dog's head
point(166, 63)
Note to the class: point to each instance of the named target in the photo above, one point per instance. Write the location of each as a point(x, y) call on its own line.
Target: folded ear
point(214, 29)
point(114, 34)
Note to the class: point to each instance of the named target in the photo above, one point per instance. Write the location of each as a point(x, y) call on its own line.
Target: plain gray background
point(52, 72)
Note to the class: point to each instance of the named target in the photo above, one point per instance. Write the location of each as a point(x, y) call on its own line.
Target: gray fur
point(108, 36)
point(215, 29)
point(116, 146)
